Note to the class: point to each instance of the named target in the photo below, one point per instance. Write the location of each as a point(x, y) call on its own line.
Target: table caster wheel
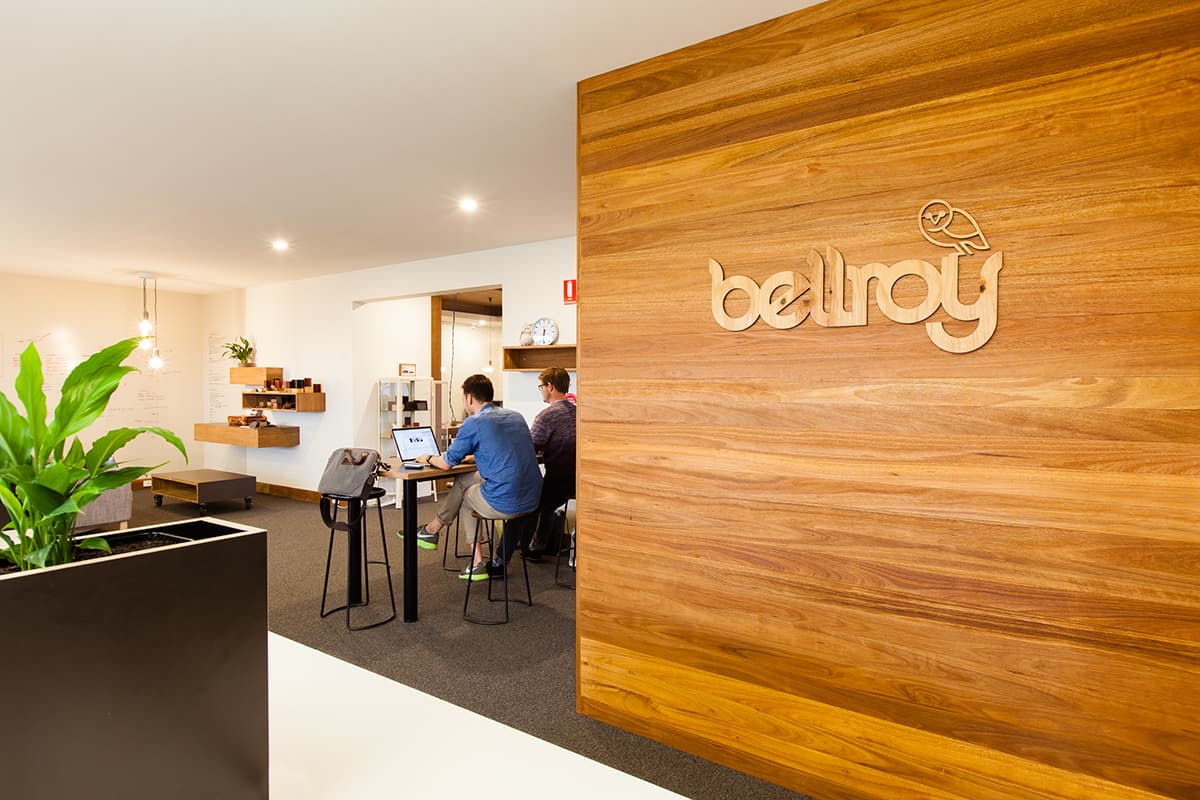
point(248, 501)
point(203, 508)
point(158, 499)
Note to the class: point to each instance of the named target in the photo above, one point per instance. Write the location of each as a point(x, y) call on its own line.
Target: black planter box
point(139, 675)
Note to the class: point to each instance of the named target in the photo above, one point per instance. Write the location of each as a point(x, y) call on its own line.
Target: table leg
point(354, 576)
point(410, 551)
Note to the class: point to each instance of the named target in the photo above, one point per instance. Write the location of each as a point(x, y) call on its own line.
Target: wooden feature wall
point(842, 558)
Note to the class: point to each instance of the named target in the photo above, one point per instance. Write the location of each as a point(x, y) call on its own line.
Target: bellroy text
point(780, 300)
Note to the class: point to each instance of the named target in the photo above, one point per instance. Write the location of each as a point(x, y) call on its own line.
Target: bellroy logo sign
point(780, 300)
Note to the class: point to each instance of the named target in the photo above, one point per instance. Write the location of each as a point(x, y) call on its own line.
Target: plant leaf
point(41, 500)
point(28, 387)
point(103, 448)
point(93, 543)
point(118, 477)
point(87, 390)
point(15, 442)
point(12, 504)
point(38, 557)
point(75, 456)
point(67, 506)
point(59, 477)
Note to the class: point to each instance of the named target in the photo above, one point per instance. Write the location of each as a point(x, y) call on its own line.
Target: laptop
point(413, 442)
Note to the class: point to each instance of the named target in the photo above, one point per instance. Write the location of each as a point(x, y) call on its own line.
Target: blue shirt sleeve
point(465, 443)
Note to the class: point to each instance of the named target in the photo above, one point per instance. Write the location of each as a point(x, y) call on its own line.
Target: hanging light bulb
point(156, 362)
point(145, 326)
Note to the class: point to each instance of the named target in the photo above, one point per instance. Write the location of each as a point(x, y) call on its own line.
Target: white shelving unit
point(405, 401)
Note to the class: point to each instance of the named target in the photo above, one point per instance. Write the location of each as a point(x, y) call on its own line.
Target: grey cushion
point(112, 509)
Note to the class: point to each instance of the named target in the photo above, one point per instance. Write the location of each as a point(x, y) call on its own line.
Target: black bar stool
point(487, 527)
point(566, 544)
point(358, 584)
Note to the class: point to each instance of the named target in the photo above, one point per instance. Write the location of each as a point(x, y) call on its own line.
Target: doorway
point(467, 338)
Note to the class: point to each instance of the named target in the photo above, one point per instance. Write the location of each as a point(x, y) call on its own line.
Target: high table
point(409, 478)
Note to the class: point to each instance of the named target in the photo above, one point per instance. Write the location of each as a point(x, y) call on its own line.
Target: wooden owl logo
point(947, 226)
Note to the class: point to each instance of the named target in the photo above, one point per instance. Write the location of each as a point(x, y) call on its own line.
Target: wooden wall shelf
point(222, 433)
point(536, 358)
point(254, 376)
point(284, 401)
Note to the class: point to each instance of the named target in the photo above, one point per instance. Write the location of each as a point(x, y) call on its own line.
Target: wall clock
point(545, 331)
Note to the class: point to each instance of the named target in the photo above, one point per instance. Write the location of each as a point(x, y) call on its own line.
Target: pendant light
point(145, 327)
point(156, 362)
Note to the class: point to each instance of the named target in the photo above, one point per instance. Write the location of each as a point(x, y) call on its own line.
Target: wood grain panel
point(839, 753)
point(901, 70)
point(1084, 424)
point(841, 558)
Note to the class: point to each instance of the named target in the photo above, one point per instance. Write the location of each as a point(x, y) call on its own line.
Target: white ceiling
point(180, 138)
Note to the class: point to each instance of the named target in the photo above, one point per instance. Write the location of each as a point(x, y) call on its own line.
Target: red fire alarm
point(570, 291)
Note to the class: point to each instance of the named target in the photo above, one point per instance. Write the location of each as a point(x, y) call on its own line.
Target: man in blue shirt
point(507, 483)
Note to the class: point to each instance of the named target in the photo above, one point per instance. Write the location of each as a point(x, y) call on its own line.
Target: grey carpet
point(521, 674)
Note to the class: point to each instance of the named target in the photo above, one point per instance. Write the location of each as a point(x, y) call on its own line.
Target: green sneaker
point(425, 539)
point(475, 572)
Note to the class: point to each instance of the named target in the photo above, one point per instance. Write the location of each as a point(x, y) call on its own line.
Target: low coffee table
point(202, 486)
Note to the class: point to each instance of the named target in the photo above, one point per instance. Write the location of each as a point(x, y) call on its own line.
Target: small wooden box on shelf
point(535, 358)
point(281, 400)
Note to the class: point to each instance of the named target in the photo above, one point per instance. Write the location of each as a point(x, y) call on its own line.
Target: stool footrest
point(485, 533)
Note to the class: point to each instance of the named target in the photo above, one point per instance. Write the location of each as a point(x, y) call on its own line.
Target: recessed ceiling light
point(468, 204)
point(280, 245)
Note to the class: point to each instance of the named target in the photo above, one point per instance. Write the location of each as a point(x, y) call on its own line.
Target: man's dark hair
point(479, 387)
point(556, 377)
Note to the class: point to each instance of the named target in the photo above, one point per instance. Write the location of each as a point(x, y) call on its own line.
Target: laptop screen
point(413, 442)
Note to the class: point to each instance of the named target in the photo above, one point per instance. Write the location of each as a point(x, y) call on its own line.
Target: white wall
point(312, 328)
point(378, 353)
point(224, 321)
point(528, 295)
point(70, 320)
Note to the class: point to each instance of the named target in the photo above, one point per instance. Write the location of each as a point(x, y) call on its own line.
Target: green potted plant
point(241, 350)
point(163, 644)
point(44, 481)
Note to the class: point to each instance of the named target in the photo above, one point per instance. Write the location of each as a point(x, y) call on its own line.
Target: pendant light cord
point(450, 377)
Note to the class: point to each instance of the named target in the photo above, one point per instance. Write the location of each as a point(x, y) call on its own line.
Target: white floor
point(339, 731)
